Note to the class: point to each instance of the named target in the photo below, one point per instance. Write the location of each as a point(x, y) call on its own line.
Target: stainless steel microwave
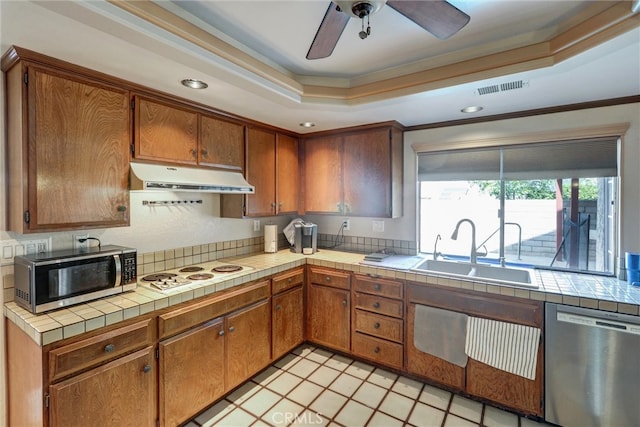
point(51, 280)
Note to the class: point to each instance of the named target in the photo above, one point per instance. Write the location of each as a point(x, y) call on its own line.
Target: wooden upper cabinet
point(323, 174)
point(287, 175)
point(261, 172)
point(68, 164)
point(272, 167)
point(367, 168)
point(221, 143)
point(357, 173)
point(165, 132)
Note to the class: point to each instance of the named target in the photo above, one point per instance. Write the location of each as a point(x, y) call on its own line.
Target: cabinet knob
point(194, 153)
point(376, 325)
point(327, 278)
point(278, 307)
point(221, 332)
point(109, 348)
point(376, 305)
point(146, 369)
point(232, 328)
point(377, 287)
point(290, 280)
point(121, 208)
point(344, 302)
point(376, 350)
point(205, 154)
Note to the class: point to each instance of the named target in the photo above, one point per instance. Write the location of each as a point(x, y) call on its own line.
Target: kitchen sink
point(487, 273)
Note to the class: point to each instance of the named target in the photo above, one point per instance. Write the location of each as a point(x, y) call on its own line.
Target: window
point(558, 200)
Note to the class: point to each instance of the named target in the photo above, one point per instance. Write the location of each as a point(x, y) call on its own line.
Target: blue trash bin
point(633, 268)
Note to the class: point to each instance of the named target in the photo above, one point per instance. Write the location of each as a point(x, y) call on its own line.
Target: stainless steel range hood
point(179, 178)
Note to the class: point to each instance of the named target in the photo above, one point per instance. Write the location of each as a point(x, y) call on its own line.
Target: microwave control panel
point(129, 267)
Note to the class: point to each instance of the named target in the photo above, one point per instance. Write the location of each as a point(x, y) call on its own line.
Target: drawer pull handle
point(146, 369)
point(290, 280)
point(376, 305)
point(232, 328)
point(377, 287)
point(376, 350)
point(328, 278)
point(376, 325)
point(221, 332)
point(109, 348)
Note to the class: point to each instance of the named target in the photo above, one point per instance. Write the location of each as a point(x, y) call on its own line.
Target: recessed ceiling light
point(307, 124)
point(471, 109)
point(194, 84)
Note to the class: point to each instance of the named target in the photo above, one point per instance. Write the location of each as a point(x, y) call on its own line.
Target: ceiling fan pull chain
point(368, 26)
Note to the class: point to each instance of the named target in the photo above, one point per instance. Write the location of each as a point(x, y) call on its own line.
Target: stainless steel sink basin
point(483, 272)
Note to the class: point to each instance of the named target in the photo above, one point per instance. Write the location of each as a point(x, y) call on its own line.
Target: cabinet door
point(323, 175)
point(328, 316)
point(119, 393)
point(513, 391)
point(248, 333)
point(165, 133)
point(428, 366)
point(261, 172)
point(367, 173)
point(288, 321)
point(288, 175)
point(78, 168)
point(191, 372)
point(221, 143)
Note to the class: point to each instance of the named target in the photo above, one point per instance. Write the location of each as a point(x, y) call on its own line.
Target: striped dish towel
point(506, 346)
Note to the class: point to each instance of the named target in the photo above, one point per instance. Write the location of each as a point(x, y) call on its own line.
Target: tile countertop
point(589, 291)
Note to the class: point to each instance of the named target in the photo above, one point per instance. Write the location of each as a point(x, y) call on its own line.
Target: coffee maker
point(306, 238)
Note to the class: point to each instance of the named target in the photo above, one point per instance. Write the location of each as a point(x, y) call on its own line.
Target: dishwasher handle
point(598, 322)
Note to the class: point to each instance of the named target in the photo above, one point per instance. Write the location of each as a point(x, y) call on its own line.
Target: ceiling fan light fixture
point(194, 84)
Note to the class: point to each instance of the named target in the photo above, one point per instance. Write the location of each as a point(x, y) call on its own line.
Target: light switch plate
point(377, 226)
point(256, 225)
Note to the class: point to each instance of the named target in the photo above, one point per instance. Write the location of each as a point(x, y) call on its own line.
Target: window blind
point(584, 158)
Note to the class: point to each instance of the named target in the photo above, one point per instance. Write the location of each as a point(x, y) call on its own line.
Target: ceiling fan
point(439, 17)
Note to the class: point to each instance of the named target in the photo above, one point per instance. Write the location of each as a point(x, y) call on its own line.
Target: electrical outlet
point(77, 244)
point(377, 226)
point(256, 225)
point(346, 225)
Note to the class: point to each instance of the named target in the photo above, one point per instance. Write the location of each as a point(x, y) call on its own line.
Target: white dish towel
point(441, 333)
point(506, 346)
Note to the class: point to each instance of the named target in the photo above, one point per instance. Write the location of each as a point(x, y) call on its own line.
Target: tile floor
point(314, 387)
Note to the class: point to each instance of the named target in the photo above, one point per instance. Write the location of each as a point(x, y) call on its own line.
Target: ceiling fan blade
point(439, 17)
point(329, 33)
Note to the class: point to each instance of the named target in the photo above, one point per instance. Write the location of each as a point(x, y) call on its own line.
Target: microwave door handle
point(116, 258)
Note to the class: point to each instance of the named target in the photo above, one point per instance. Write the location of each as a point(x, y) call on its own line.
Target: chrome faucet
point(474, 255)
point(436, 254)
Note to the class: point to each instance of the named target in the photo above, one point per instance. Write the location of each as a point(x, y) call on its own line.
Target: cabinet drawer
point(381, 326)
point(381, 351)
point(380, 305)
point(184, 318)
point(288, 280)
point(333, 278)
point(93, 351)
point(378, 286)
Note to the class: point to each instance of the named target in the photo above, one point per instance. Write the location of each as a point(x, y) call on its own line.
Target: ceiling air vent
point(502, 87)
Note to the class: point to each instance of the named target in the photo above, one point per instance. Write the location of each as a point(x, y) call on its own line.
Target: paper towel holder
point(270, 238)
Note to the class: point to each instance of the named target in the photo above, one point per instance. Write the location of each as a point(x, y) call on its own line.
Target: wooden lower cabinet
point(248, 334)
point(288, 321)
point(427, 366)
point(329, 316)
point(478, 379)
point(192, 373)
point(121, 392)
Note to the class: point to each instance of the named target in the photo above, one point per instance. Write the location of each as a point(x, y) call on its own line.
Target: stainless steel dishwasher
point(592, 367)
